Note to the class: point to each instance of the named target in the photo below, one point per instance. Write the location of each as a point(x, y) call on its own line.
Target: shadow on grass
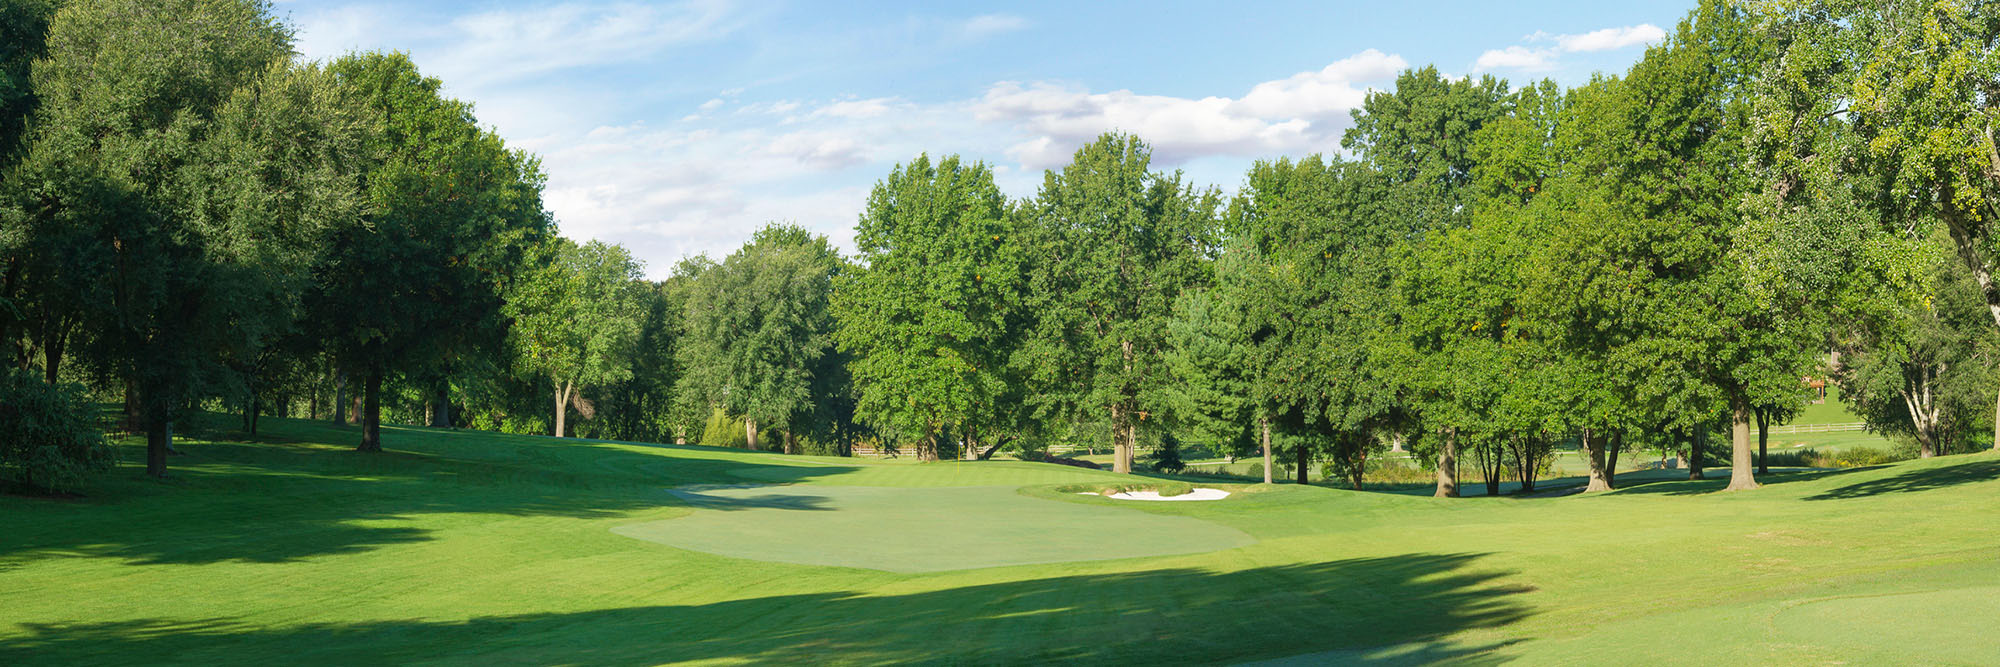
point(1399, 609)
point(777, 501)
point(301, 492)
point(1922, 479)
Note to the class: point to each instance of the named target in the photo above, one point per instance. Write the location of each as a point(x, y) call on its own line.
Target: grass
point(479, 548)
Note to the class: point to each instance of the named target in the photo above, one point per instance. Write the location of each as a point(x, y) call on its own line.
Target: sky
point(678, 128)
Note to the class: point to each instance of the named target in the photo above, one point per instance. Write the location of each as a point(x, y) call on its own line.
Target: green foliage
point(577, 317)
point(1110, 245)
point(929, 312)
point(759, 329)
point(49, 438)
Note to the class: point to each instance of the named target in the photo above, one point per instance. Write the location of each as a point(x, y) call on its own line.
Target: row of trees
point(1485, 273)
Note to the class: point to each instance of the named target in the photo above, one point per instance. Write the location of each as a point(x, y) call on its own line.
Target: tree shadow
point(771, 499)
point(1717, 481)
point(298, 493)
point(1396, 610)
point(1923, 479)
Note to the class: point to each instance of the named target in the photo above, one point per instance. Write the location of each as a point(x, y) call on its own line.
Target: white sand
point(1197, 494)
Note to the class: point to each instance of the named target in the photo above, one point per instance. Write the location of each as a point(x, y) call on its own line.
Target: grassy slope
point(466, 547)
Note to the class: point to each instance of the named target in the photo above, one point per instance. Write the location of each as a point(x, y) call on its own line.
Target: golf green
point(954, 528)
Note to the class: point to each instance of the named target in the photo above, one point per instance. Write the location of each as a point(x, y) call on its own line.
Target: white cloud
point(1542, 59)
point(1611, 38)
point(993, 24)
point(1516, 57)
point(1299, 114)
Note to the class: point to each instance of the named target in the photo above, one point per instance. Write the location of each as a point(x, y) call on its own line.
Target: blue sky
point(678, 128)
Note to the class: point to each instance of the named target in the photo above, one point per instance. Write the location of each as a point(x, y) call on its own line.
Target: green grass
point(478, 548)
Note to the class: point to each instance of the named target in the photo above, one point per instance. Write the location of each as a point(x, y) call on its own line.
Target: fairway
point(469, 547)
point(920, 529)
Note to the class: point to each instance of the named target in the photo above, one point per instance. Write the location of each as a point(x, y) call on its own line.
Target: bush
point(1167, 457)
point(48, 438)
point(1856, 457)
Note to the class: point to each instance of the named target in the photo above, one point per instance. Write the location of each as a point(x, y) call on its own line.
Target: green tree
point(1920, 367)
point(926, 314)
point(416, 285)
point(1110, 244)
point(758, 326)
point(183, 172)
point(576, 319)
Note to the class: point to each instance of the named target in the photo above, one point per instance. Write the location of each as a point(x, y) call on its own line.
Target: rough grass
point(478, 548)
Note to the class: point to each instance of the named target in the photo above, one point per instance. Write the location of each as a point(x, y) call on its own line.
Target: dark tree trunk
point(1763, 442)
point(1611, 457)
point(441, 405)
point(256, 405)
point(159, 439)
point(371, 412)
point(1305, 465)
point(1695, 447)
point(340, 399)
point(135, 418)
point(52, 354)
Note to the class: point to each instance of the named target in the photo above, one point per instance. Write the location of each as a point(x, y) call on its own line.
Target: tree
point(927, 314)
point(1915, 81)
point(1327, 230)
point(1920, 366)
point(576, 319)
point(183, 171)
point(1216, 363)
point(1110, 244)
point(758, 324)
point(417, 283)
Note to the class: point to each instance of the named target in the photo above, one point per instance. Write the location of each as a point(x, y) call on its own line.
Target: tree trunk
point(1611, 457)
point(562, 408)
point(312, 401)
point(1742, 475)
point(1121, 454)
point(256, 407)
point(1695, 446)
point(1996, 424)
point(1594, 451)
point(1266, 424)
point(159, 439)
point(371, 412)
point(749, 433)
point(135, 418)
point(791, 441)
point(1304, 464)
point(441, 405)
point(1763, 442)
point(971, 452)
point(340, 398)
point(1447, 466)
point(52, 354)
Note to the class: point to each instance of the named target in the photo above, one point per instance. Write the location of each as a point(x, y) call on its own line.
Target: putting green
point(920, 529)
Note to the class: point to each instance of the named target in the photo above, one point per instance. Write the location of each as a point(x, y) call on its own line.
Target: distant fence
point(1818, 428)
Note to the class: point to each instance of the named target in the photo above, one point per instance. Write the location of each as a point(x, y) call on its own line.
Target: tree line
point(1481, 273)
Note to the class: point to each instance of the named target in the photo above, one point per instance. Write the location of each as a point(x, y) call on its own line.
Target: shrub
point(1855, 457)
point(1167, 457)
point(48, 439)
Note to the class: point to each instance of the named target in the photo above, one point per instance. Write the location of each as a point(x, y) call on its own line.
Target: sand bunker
point(1197, 494)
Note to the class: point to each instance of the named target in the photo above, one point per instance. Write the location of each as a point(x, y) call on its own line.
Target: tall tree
point(926, 314)
point(1916, 80)
point(418, 282)
point(576, 319)
point(1110, 244)
point(758, 326)
point(190, 171)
